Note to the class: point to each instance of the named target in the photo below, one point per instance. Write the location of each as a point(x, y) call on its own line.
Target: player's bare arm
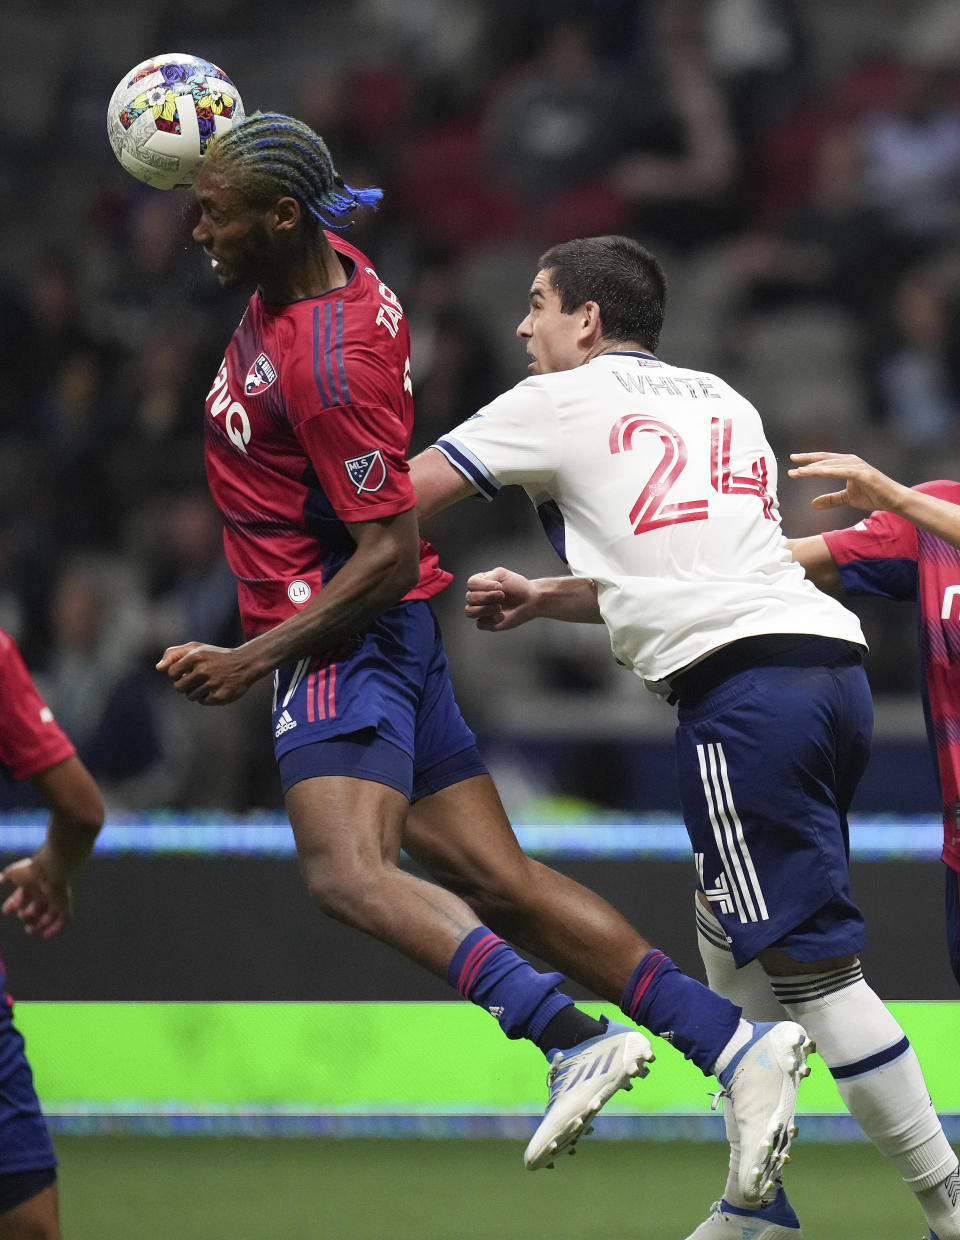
point(817, 562)
point(868, 488)
point(437, 483)
point(42, 898)
point(501, 599)
point(384, 567)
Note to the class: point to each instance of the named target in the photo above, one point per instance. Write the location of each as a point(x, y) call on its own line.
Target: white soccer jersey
point(659, 484)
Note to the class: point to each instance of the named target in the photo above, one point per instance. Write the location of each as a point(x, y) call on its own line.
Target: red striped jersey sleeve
point(31, 741)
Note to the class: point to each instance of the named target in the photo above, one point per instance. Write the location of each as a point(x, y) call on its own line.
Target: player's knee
point(776, 963)
point(345, 892)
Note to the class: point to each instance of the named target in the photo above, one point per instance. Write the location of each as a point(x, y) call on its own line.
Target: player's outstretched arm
point(500, 599)
point(437, 483)
point(42, 899)
point(866, 487)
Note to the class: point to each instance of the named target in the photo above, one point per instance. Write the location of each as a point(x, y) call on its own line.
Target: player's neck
point(618, 346)
point(310, 274)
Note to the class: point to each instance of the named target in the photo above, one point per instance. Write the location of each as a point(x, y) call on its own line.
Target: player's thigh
point(345, 823)
point(36, 1217)
point(462, 835)
point(456, 826)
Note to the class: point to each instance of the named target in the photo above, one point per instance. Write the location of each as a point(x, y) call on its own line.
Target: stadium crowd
point(794, 163)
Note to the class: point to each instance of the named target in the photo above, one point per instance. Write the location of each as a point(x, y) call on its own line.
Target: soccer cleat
point(580, 1081)
point(761, 1082)
point(776, 1221)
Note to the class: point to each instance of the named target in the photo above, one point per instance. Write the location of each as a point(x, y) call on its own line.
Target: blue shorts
point(382, 708)
point(25, 1144)
point(953, 920)
point(769, 759)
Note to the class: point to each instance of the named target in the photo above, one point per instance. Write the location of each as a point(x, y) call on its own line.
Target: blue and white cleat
point(761, 1083)
point(580, 1081)
point(776, 1221)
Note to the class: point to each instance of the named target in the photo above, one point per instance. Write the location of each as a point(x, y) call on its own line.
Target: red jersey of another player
point(886, 555)
point(307, 427)
point(30, 738)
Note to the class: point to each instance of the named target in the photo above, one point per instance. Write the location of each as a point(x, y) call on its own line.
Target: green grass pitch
point(291, 1189)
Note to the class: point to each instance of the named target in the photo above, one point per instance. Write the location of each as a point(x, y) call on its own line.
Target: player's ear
point(286, 214)
point(591, 325)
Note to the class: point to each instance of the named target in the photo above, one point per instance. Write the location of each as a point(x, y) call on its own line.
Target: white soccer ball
point(164, 112)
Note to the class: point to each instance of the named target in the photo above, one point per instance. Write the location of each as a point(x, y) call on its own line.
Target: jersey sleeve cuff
point(462, 459)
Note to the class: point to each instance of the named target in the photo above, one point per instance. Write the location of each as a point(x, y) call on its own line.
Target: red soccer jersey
point(30, 738)
point(308, 425)
point(886, 555)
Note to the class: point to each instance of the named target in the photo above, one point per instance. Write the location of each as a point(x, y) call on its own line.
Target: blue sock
point(674, 1006)
point(489, 973)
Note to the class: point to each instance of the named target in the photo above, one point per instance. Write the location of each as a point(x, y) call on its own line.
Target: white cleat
point(728, 1223)
point(581, 1080)
point(761, 1083)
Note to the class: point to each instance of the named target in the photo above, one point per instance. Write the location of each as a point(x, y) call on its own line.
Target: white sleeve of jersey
point(512, 441)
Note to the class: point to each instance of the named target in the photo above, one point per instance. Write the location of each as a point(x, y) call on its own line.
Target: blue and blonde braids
point(279, 155)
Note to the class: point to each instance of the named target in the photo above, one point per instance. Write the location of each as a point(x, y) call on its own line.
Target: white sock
point(739, 1038)
point(880, 1081)
point(749, 988)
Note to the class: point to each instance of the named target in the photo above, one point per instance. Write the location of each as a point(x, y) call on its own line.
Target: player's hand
point(43, 906)
point(865, 487)
point(211, 675)
point(500, 599)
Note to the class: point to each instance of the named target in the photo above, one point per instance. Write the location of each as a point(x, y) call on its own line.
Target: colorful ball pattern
point(163, 114)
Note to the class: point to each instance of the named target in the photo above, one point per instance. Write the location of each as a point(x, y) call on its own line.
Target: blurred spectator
point(826, 249)
point(919, 398)
point(678, 175)
point(557, 121)
point(73, 423)
point(459, 378)
point(95, 682)
point(179, 540)
point(911, 153)
point(760, 50)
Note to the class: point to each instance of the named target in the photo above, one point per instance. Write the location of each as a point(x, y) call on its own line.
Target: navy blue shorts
point(25, 1144)
point(382, 708)
point(953, 920)
point(769, 759)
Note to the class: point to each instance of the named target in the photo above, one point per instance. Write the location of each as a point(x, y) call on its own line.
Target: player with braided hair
point(307, 429)
point(277, 152)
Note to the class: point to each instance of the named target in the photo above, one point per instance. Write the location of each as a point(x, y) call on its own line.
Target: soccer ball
point(164, 112)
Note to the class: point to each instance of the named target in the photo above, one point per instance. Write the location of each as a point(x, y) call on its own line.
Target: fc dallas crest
point(259, 377)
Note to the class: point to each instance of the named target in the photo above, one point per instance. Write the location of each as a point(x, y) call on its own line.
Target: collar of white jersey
point(650, 357)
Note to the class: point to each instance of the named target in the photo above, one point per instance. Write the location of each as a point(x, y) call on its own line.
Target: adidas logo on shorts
point(284, 724)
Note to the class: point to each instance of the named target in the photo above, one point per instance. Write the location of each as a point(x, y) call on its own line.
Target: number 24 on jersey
point(652, 511)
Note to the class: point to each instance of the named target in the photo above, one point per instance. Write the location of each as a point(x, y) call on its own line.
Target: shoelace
point(718, 1098)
